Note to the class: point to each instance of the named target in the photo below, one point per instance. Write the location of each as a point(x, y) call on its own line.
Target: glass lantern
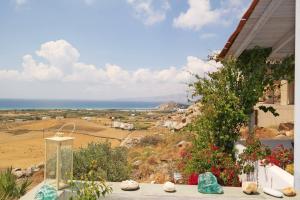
point(58, 161)
point(251, 177)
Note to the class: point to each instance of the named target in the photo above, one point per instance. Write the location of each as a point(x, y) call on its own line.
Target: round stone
point(129, 185)
point(169, 187)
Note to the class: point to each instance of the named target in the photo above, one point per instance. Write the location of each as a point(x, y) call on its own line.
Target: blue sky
point(93, 47)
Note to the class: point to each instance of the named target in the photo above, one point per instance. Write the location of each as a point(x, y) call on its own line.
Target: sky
point(110, 49)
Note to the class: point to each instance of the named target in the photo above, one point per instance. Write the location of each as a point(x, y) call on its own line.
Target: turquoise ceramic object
point(46, 192)
point(208, 184)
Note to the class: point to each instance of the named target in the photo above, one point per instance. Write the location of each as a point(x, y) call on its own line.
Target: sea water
point(22, 104)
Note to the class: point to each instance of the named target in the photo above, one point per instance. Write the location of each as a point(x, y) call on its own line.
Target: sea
point(27, 104)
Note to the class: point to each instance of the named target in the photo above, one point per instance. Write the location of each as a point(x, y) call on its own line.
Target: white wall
point(297, 99)
point(286, 114)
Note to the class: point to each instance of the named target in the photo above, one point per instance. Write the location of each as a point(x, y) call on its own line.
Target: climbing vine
point(228, 97)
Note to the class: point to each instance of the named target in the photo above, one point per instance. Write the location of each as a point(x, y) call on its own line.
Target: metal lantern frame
point(58, 160)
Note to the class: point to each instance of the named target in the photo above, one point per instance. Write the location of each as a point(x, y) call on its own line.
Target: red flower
point(193, 179)
point(216, 171)
point(214, 147)
point(183, 153)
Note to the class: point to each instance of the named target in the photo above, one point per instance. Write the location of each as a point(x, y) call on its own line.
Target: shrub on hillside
point(101, 159)
point(142, 125)
point(150, 140)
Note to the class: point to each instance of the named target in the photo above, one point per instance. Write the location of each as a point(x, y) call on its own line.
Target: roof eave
point(238, 29)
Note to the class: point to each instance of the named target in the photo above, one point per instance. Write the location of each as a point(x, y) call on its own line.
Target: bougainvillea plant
point(227, 98)
point(215, 160)
point(229, 94)
point(253, 152)
point(279, 156)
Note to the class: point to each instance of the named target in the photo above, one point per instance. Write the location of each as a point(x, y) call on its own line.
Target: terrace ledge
point(155, 192)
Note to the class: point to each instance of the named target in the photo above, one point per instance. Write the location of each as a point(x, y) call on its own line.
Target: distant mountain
point(179, 98)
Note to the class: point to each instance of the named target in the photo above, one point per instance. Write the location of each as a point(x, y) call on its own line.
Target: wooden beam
point(290, 35)
point(273, 5)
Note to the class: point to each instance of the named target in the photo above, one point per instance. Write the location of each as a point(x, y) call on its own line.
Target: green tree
point(228, 96)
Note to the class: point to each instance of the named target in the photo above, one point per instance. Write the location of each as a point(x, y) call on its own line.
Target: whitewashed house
point(46, 118)
point(59, 117)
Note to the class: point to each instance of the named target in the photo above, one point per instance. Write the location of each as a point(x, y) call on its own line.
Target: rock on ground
point(130, 142)
point(18, 172)
point(289, 192)
point(129, 185)
point(286, 126)
point(169, 187)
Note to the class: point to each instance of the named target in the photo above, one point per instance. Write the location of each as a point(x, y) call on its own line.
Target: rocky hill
point(171, 106)
point(181, 118)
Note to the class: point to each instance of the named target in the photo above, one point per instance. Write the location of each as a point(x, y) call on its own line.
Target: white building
point(46, 117)
point(59, 117)
point(87, 118)
point(122, 125)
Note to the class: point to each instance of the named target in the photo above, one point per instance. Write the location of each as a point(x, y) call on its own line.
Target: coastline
point(33, 104)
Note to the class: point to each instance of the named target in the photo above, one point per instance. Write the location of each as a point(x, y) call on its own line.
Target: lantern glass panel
point(67, 161)
point(59, 161)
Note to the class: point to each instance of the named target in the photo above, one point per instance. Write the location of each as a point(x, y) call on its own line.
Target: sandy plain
point(22, 144)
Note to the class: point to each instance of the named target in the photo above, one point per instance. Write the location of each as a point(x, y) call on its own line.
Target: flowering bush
point(228, 97)
point(215, 160)
point(254, 151)
point(279, 156)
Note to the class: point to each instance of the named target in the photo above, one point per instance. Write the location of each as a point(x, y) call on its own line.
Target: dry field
point(22, 144)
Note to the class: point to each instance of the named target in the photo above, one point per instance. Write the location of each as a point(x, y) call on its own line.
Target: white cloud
point(59, 53)
point(39, 71)
point(9, 74)
point(142, 75)
point(166, 75)
point(20, 2)
point(235, 2)
point(148, 12)
point(83, 72)
point(233, 9)
point(200, 13)
point(196, 66)
point(61, 67)
point(32, 70)
point(116, 74)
